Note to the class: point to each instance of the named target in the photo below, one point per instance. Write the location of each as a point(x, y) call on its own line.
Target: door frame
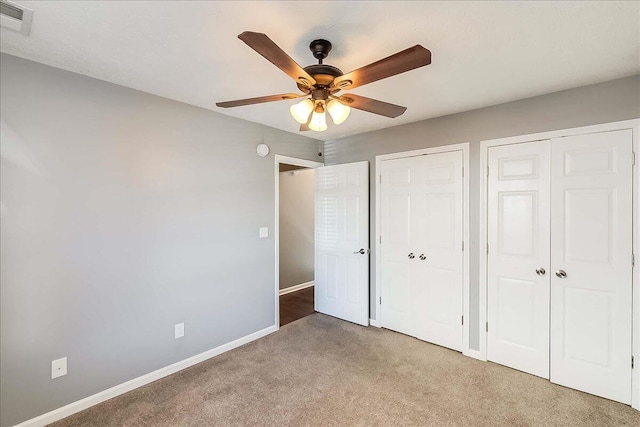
point(279, 159)
point(634, 125)
point(464, 148)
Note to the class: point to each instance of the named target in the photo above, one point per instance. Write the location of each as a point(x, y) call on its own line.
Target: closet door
point(518, 261)
point(437, 268)
point(591, 229)
point(421, 252)
point(396, 257)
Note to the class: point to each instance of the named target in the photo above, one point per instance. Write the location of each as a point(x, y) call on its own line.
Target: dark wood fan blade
point(372, 105)
point(258, 100)
point(272, 53)
point(406, 60)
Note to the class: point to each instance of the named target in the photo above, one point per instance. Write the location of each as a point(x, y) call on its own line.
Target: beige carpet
point(323, 371)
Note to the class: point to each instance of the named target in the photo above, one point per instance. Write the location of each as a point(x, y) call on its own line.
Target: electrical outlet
point(264, 232)
point(179, 330)
point(58, 368)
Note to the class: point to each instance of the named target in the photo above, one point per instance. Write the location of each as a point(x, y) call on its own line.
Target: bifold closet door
point(591, 240)
point(518, 259)
point(438, 206)
point(396, 264)
point(421, 252)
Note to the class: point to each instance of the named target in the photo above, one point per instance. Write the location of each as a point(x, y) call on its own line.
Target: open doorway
point(295, 260)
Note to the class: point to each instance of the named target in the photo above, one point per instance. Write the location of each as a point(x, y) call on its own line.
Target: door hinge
point(487, 170)
point(632, 362)
point(463, 245)
point(380, 300)
point(380, 239)
point(380, 179)
point(487, 248)
point(633, 260)
point(463, 320)
point(463, 172)
point(487, 326)
point(633, 158)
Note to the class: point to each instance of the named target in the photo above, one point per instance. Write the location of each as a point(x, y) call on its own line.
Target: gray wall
point(297, 190)
point(601, 103)
point(122, 214)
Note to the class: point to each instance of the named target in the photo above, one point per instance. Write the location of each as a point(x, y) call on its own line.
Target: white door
point(591, 226)
point(518, 260)
point(437, 204)
point(342, 241)
point(399, 241)
point(421, 251)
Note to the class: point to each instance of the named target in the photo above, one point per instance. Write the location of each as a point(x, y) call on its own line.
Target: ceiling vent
point(15, 17)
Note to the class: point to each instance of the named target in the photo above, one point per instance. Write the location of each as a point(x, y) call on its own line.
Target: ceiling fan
point(320, 83)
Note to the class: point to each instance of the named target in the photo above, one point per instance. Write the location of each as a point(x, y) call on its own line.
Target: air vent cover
point(15, 17)
point(11, 10)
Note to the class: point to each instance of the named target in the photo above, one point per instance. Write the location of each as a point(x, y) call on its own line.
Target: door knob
point(361, 251)
point(411, 255)
point(423, 257)
point(561, 274)
point(540, 271)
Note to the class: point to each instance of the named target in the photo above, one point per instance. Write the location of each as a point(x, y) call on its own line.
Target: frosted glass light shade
point(301, 111)
point(339, 112)
point(318, 121)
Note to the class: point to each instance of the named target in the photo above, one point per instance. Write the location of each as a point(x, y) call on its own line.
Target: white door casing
point(422, 254)
point(342, 241)
point(591, 237)
point(518, 259)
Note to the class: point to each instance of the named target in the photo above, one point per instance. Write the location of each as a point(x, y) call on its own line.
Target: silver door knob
point(561, 274)
point(361, 252)
point(423, 257)
point(540, 271)
point(411, 255)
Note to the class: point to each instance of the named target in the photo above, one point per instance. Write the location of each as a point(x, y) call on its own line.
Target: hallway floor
point(296, 305)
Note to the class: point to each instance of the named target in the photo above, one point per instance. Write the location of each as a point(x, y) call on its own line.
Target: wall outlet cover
point(179, 330)
point(264, 232)
point(58, 368)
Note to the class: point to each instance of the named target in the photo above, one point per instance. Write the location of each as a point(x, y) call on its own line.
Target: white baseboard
point(294, 288)
point(87, 402)
point(374, 322)
point(474, 354)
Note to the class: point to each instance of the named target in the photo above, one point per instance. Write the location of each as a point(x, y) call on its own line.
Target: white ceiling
point(484, 53)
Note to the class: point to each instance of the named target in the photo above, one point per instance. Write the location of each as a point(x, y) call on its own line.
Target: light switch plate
point(58, 368)
point(264, 232)
point(179, 330)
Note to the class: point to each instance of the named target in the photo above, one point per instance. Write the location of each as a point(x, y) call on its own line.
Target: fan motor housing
point(323, 74)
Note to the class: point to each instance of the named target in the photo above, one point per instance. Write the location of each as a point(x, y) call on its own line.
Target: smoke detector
point(15, 17)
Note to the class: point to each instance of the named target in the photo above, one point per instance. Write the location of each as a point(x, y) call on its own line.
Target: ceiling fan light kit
point(338, 111)
point(320, 83)
point(301, 110)
point(318, 121)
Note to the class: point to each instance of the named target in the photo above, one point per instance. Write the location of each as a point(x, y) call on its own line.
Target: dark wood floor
point(296, 305)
